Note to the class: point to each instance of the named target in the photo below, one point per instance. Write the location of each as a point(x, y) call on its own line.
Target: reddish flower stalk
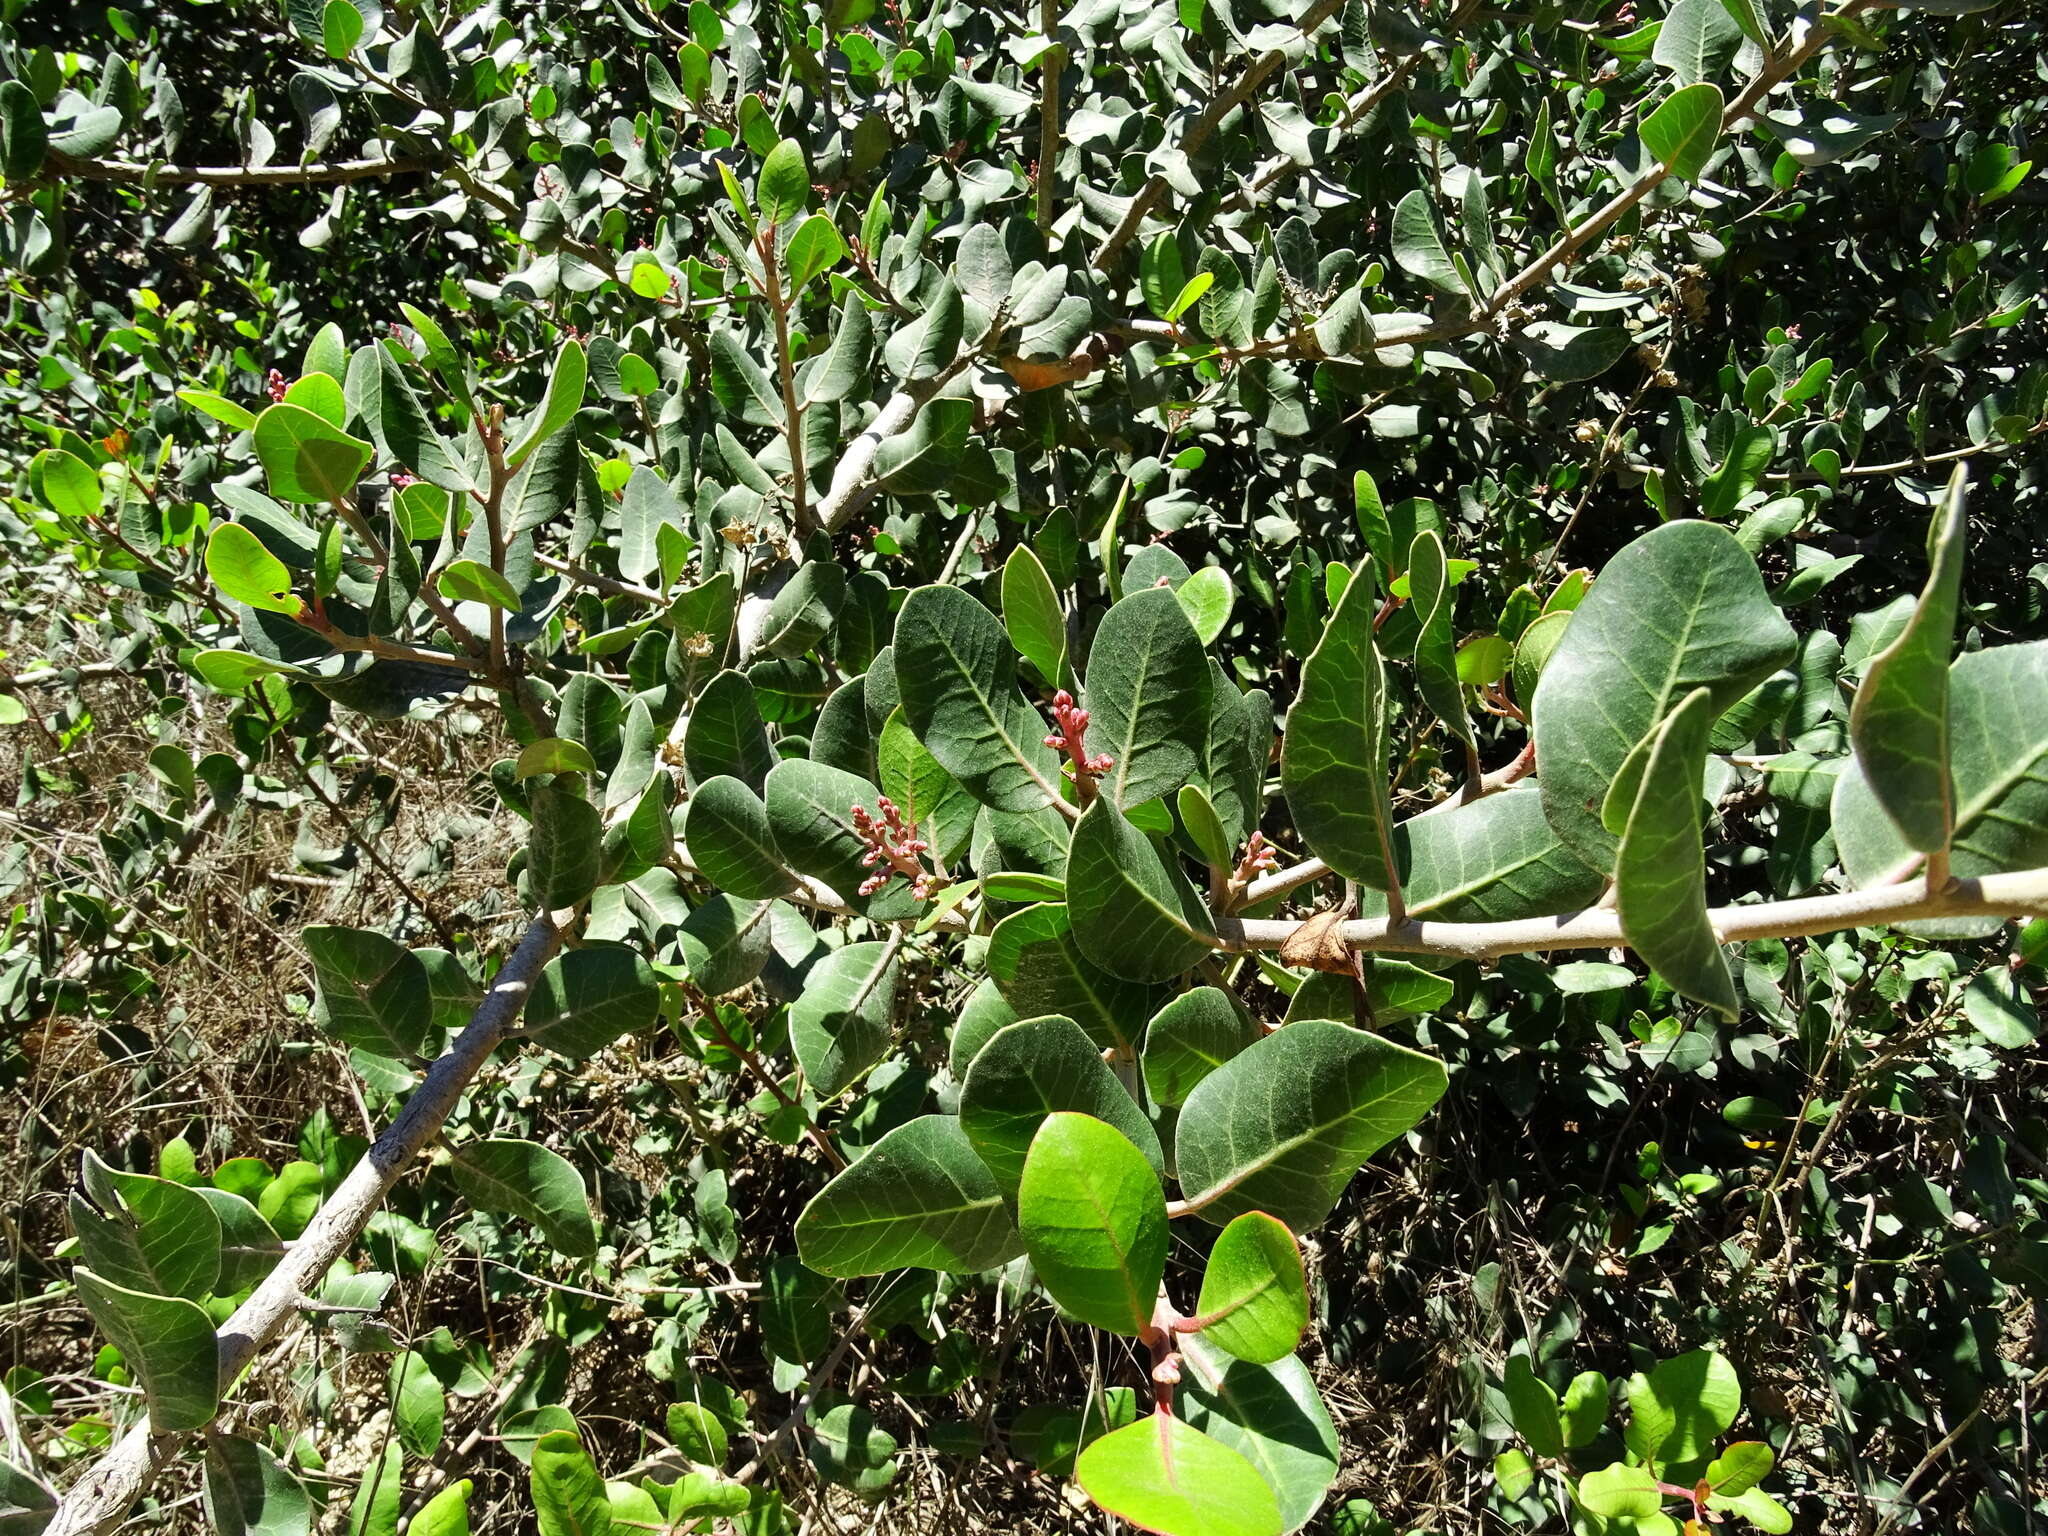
point(893, 842)
point(1071, 737)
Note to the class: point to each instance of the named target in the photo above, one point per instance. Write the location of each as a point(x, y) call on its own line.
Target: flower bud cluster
point(894, 843)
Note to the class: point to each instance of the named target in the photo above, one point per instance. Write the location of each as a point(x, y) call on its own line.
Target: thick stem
point(785, 370)
point(1050, 65)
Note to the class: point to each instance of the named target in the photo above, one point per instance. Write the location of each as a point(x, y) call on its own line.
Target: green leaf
point(1533, 1407)
point(1203, 826)
point(372, 991)
point(568, 1496)
point(1620, 1493)
point(554, 754)
point(585, 999)
point(525, 1179)
point(1162, 1474)
point(1333, 756)
point(784, 188)
point(1684, 128)
point(219, 407)
point(726, 830)
point(844, 367)
point(1241, 1146)
point(921, 459)
point(341, 28)
point(1697, 38)
point(1419, 248)
point(1757, 1507)
point(958, 677)
point(924, 792)
point(564, 846)
point(144, 1233)
point(741, 384)
point(1135, 914)
point(418, 1410)
point(24, 136)
point(1041, 970)
point(246, 1491)
point(249, 1249)
point(725, 943)
point(1148, 697)
point(1680, 608)
point(919, 1198)
point(1660, 871)
point(842, 1024)
point(1093, 1217)
point(1739, 1468)
point(1191, 1037)
point(289, 1200)
point(1995, 1003)
point(374, 1510)
point(396, 420)
point(814, 248)
point(308, 459)
point(1899, 722)
point(1493, 860)
point(850, 1449)
point(1681, 1407)
point(1207, 597)
point(246, 571)
point(1584, 1410)
point(167, 1341)
point(1035, 1068)
point(1032, 616)
point(471, 581)
point(564, 398)
point(1272, 1415)
point(1998, 762)
point(445, 1514)
point(725, 734)
point(1254, 1300)
point(1436, 661)
point(810, 812)
point(441, 355)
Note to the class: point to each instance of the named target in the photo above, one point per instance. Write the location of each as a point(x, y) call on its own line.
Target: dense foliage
point(1275, 768)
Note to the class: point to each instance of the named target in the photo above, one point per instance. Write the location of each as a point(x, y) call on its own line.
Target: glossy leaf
point(1272, 1415)
point(1162, 1474)
point(246, 571)
point(1032, 616)
point(1254, 1301)
point(1093, 1218)
point(308, 459)
point(564, 398)
point(568, 1496)
point(1684, 128)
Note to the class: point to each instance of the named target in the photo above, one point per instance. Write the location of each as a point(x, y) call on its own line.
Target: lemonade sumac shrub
point(1084, 621)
